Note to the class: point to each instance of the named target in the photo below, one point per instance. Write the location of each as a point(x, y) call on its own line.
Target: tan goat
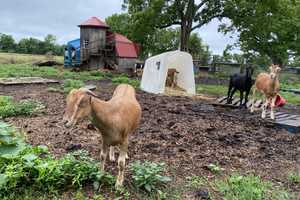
point(172, 78)
point(268, 84)
point(116, 119)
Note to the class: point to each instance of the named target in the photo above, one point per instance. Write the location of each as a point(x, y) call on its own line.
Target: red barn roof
point(94, 22)
point(124, 47)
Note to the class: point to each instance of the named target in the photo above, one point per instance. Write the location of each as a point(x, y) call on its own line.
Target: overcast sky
point(37, 18)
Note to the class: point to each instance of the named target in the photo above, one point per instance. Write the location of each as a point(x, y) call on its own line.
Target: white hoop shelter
point(156, 70)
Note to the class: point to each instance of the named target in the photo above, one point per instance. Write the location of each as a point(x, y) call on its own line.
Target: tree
point(7, 43)
point(48, 45)
point(269, 27)
point(198, 49)
point(149, 15)
point(120, 23)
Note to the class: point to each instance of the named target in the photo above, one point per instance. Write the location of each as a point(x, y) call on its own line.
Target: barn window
point(85, 43)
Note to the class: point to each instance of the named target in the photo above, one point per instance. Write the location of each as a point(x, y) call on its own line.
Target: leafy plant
point(214, 168)
point(124, 79)
point(8, 108)
point(148, 176)
point(11, 141)
point(34, 167)
point(196, 181)
point(238, 187)
point(294, 177)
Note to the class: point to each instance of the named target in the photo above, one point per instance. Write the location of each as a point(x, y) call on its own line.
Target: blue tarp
point(72, 53)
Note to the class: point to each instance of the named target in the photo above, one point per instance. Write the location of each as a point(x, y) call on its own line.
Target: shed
point(156, 69)
point(126, 52)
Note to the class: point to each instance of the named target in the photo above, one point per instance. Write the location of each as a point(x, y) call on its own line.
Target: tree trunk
point(184, 37)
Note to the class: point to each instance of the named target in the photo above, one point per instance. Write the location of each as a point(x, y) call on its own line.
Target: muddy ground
point(185, 133)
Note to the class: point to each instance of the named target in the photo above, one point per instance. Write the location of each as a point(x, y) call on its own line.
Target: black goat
point(241, 82)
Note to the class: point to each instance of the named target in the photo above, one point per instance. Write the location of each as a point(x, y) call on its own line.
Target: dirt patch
point(187, 134)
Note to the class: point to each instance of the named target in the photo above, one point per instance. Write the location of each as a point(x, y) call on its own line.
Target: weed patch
point(8, 108)
point(238, 187)
point(124, 79)
point(294, 177)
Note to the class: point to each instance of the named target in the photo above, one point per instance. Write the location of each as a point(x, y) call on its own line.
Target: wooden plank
point(295, 123)
point(26, 80)
point(279, 113)
point(249, 103)
point(289, 117)
point(90, 87)
point(235, 101)
point(258, 103)
point(221, 99)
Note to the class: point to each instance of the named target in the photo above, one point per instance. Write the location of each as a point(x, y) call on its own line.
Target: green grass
point(72, 84)
point(9, 108)
point(23, 70)
point(67, 86)
point(124, 79)
point(214, 90)
point(251, 187)
point(220, 90)
point(14, 58)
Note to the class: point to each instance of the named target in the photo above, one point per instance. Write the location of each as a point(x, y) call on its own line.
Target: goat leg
point(253, 101)
point(121, 164)
point(232, 93)
point(103, 155)
point(228, 94)
point(264, 108)
point(112, 153)
point(272, 107)
point(246, 98)
point(241, 98)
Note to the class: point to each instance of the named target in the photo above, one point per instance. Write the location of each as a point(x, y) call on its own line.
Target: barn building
point(101, 48)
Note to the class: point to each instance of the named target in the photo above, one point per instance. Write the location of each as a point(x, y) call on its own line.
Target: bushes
point(147, 175)
point(35, 168)
point(8, 108)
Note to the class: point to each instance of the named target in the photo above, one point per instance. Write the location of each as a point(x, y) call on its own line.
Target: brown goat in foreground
point(116, 119)
point(268, 84)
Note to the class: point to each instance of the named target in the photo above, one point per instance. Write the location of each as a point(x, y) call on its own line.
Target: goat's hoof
point(112, 159)
point(119, 184)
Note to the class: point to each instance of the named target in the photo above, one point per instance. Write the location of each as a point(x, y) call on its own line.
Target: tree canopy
point(149, 15)
point(30, 45)
point(270, 27)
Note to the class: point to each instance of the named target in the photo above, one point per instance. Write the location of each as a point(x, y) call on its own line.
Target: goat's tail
point(253, 99)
